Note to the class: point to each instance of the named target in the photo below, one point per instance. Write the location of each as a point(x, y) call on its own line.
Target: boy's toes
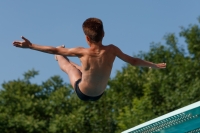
point(55, 56)
point(62, 46)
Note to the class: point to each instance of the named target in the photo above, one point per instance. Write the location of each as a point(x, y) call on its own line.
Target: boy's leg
point(70, 68)
point(76, 65)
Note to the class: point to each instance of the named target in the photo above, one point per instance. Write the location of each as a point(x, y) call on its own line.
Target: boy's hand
point(23, 44)
point(159, 65)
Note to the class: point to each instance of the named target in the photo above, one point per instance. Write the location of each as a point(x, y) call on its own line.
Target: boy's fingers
point(16, 42)
point(25, 39)
point(162, 65)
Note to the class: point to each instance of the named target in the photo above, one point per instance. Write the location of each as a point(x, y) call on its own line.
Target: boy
point(90, 79)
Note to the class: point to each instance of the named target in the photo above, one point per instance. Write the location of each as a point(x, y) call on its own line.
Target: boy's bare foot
point(62, 46)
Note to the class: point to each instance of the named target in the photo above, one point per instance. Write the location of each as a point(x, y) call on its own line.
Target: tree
point(27, 107)
point(164, 90)
point(50, 108)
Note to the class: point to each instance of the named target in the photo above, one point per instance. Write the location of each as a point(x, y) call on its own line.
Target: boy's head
point(93, 29)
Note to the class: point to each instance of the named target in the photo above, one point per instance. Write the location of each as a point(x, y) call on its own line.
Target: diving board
point(183, 120)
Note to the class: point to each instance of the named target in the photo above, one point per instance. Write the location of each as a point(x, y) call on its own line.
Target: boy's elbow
point(135, 62)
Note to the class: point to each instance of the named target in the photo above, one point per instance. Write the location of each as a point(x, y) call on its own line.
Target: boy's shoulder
point(113, 47)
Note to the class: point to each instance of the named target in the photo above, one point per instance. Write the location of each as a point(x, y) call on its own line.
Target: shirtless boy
point(90, 79)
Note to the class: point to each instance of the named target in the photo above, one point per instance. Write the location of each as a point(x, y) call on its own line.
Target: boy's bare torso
point(96, 68)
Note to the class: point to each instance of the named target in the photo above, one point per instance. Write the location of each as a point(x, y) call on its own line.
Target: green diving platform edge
point(183, 120)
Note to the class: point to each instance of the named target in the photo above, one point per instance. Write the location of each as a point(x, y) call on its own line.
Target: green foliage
point(164, 90)
point(135, 95)
point(30, 74)
point(192, 38)
point(51, 107)
point(27, 107)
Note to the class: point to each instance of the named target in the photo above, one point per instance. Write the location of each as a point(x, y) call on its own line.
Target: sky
point(131, 25)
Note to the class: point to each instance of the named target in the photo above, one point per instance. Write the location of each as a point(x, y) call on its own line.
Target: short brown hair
point(93, 28)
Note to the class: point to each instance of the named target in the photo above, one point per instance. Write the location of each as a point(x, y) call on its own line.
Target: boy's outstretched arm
point(136, 61)
point(48, 49)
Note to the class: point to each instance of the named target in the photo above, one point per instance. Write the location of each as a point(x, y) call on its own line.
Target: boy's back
point(96, 68)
